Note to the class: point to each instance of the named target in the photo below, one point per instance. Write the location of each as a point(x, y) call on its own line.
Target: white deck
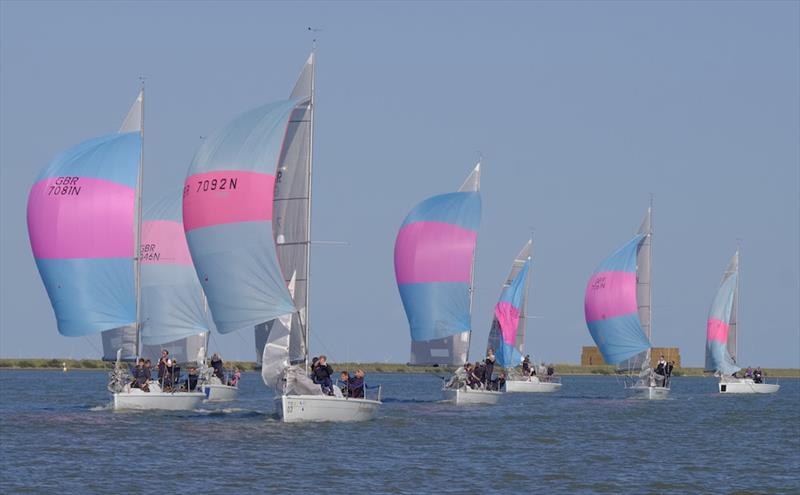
point(316, 408)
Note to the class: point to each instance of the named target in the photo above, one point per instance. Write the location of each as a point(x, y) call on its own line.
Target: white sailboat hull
point(217, 392)
point(746, 386)
point(138, 400)
point(648, 392)
point(532, 385)
point(468, 396)
point(316, 408)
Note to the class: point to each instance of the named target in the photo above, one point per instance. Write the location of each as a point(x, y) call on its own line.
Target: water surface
point(58, 435)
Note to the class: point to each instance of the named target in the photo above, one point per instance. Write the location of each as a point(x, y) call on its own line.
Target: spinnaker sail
point(83, 226)
point(722, 323)
point(507, 333)
point(228, 218)
point(174, 313)
point(434, 258)
point(614, 303)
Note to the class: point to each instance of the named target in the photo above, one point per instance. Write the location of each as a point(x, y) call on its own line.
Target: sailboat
point(174, 315)
point(238, 238)
point(434, 262)
point(722, 335)
point(507, 333)
point(618, 311)
point(84, 223)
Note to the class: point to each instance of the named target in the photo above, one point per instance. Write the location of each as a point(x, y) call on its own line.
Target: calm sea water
point(58, 435)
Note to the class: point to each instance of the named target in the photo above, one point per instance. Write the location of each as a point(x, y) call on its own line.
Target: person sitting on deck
point(191, 380)
point(322, 374)
point(137, 372)
point(758, 376)
point(237, 375)
point(344, 383)
point(356, 385)
point(216, 363)
point(498, 383)
point(148, 373)
point(478, 373)
point(748, 373)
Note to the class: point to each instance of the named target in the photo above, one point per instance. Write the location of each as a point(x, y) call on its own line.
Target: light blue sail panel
point(90, 295)
point(457, 208)
point(436, 310)
point(227, 216)
point(173, 304)
point(81, 216)
point(612, 314)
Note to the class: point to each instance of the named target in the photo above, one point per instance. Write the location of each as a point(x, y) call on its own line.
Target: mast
point(472, 270)
point(645, 276)
point(137, 266)
point(311, 105)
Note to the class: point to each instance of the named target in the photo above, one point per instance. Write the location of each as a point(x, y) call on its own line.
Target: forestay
point(721, 325)
point(82, 221)
point(434, 259)
point(227, 216)
point(507, 334)
point(174, 312)
point(291, 213)
point(611, 308)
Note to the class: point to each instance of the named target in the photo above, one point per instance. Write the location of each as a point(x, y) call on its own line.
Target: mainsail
point(291, 213)
point(83, 226)
point(434, 256)
point(227, 216)
point(174, 313)
point(613, 307)
point(507, 334)
point(722, 323)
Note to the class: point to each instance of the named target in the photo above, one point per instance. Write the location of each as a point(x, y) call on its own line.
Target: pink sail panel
point(164, 242)
point(433, 252)
point(227, 196)
point(508, 316)
point(717, 330)
point(619, 300)
point(80, 217)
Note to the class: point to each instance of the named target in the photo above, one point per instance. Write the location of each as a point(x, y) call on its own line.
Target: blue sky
point(580, 109)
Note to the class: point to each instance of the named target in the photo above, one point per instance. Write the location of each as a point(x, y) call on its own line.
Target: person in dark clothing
point(137, 374)
point(216, 363)
point(526, 366)
point(668, 372)
point(169, 376)
point(191, 380)
point(489, 370)
point(478, 374)
point(322, 374)
point(550, 371)
point(355, 385)
point(498, 383)
point(344, 383)
point(162, 364)
point(758, 376)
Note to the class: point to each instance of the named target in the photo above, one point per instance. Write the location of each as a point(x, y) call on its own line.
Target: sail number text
point(149, 252)
point(221, 184)
point(65, 186)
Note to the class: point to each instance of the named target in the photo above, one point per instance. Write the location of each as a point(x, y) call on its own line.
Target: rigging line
point(321, 343)
point(93, 344)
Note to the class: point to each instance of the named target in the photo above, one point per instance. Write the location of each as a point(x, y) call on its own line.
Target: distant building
point(590, 355)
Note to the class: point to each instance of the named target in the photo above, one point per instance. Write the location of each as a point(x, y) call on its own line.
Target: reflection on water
point(58, 434)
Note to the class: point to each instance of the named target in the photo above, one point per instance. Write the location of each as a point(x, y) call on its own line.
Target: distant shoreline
point(561, 369)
